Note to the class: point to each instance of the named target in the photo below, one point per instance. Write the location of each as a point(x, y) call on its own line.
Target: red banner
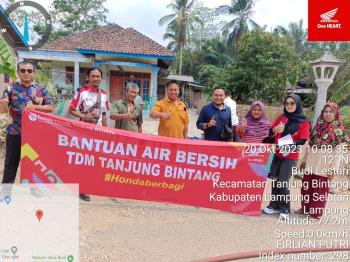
point(118, 163)
point(329, 20)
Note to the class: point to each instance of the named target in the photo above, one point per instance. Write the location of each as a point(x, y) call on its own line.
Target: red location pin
point(39, 214)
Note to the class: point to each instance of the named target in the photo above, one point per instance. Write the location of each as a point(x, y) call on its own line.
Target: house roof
point(183, 78)
point(12, 31)
point(110, 39)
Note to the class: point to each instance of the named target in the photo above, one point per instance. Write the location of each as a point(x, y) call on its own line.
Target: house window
point(145, 89)
point(70, 75)
point(6, 78)
point(142, 83)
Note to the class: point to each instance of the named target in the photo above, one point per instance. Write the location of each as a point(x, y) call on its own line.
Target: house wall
point(2, 83)
point(127, 59)
point(58, 69)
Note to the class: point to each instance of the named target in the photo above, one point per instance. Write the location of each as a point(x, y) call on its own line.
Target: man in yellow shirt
point(172, 113)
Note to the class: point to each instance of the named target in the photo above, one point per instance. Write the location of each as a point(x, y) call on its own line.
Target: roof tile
point(110, 38)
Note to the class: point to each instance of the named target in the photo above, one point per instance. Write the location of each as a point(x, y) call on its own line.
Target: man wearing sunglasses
point(25, 94)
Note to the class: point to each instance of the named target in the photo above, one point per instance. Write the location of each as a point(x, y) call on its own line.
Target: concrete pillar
point(154, 85)
point(322, 88)
point(76, 76)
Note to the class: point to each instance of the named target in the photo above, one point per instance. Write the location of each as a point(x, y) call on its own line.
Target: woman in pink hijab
point(255, 126)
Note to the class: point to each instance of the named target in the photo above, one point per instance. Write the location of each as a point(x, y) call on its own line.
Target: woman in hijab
point(321, 159)
point(255, 126)
point(294, 125)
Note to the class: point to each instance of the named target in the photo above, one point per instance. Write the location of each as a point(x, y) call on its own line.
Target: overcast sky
point(143, 15)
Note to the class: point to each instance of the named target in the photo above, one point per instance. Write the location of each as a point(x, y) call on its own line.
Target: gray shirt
point(121, 107)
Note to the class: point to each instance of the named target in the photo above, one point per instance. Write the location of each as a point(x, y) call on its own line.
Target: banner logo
point(33, 117)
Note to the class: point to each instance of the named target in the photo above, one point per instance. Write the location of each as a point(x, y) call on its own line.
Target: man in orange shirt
point(172, 113)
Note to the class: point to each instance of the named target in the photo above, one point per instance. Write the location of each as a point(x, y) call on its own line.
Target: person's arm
point(302, 134)
point(4, 106)
point(158, 115)
point(230, 124)
point(86, 117)
point(185, 131)
point(187, 121)
point(46, 106)
point(300, 142)
point(276, 127)
point(116, 115)
point(75, 104)
point(41, 108)
point(126, 116)
point(303, 156)
point(241, 129)
point(234, 117)
point(104, 119)
point(157, 112)
point(201, 120)
point(140, 121)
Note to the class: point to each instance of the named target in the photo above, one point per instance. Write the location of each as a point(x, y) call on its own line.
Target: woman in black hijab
point(293, 123)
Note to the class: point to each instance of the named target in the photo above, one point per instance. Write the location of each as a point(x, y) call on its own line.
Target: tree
point(215, 52)
point(75, 16)
point(170, 36)
point(209, 26)
point(264, 64)
point(242, 11)
point(180, 23)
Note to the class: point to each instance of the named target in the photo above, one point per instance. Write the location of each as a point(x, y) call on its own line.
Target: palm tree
point(295, 33)
point(215, 52)
point(180, 23)
point(342, 93)
point(242, 11)
point(170, 36)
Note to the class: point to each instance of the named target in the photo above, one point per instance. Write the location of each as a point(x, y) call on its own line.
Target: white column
point(76, 76)
point(322, 88)
point(154, 84)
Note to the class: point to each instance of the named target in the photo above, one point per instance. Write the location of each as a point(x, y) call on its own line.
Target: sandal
point(300, 211)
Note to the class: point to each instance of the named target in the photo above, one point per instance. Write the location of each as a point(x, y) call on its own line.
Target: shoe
point(284, 215)
point(300, 211)
point(85, 197)
point(36, 192)
point(270, 211)
point(2, 196)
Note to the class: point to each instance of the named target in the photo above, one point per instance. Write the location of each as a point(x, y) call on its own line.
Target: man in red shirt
point(90, 104)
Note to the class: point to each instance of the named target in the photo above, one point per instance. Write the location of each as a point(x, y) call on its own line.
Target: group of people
point(218, 120)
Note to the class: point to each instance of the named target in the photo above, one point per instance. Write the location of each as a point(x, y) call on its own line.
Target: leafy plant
point(8, 61)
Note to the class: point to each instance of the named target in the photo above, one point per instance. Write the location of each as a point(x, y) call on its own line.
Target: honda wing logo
point(327, 17)
point(327, 22)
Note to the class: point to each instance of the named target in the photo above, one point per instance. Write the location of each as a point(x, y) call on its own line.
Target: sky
point(143, 15)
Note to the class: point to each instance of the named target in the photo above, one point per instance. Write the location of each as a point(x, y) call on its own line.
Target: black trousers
point(12, 158)
point(281, 172)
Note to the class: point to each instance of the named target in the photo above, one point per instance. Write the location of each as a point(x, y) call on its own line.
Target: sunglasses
point(289, 104)
point(23, 71)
